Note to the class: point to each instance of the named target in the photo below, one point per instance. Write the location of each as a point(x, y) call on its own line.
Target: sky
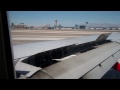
point(65, 18)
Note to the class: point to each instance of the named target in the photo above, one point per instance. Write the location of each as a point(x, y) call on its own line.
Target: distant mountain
point(103, 25)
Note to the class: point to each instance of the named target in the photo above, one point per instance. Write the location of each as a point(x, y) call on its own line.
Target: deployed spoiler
point(25, 50)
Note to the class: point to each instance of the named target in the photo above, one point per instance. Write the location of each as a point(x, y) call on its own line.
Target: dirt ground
point(30, 36)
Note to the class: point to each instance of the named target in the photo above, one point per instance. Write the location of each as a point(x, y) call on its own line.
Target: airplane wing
point(87, 57)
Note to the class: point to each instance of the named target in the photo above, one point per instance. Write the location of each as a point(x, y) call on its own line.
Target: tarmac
point(23, 36)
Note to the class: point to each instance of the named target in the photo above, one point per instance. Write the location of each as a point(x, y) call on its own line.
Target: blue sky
point(65, 18)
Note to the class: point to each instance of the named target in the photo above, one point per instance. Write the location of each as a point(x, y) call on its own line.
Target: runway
point(30, 36)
